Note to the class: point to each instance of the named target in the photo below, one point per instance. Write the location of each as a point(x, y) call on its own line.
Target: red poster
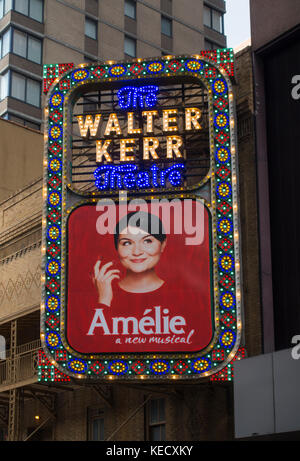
point(137, 288)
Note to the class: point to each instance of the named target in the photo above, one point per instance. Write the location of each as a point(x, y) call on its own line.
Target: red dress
point(168, 319)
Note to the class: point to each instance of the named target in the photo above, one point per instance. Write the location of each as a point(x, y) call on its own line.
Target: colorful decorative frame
point(214, 70)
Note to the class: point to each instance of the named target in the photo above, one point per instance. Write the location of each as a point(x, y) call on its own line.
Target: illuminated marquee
point(149, 139)
point(109, 177)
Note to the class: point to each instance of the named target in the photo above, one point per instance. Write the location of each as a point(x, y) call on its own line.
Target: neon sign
point(132, 96)
point(129, 177)
point(141, 132)
point(185, 146)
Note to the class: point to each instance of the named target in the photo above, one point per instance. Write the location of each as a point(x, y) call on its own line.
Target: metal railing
point(26, 364)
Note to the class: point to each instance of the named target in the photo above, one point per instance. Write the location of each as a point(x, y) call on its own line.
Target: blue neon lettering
point(113, 177)
point(132, 96)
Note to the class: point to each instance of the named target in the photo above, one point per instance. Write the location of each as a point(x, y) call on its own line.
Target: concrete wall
point(21, 153)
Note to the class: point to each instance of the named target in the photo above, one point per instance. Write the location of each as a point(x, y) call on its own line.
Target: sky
point(237, 22)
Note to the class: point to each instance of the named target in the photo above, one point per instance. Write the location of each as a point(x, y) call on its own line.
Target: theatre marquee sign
point(141, 268)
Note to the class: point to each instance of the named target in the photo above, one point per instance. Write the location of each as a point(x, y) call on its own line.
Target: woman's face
point(138, 250)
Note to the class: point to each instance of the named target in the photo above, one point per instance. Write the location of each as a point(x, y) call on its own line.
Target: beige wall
point(65, 25)
point(21, 153)
point(186, 41)
point(189, 12)
point(148, 26)
point(20, 252)
point(20, 280)
point(56, 53)
point(111, 43)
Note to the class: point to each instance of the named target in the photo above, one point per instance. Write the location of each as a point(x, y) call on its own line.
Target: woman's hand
point(103, 280)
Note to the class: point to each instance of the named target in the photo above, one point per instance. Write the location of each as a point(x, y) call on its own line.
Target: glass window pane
point(161, 415)
point(157, 433)
point(34, 50)
point(13, 118)
point(19, 43)
point(4, 85)
point(18, 86)
point(130, 8)
point(34, 126)
point(90, 28)
point(153, 411)
point(36, 10)
point(207, 16)
point(1, 8)
point(95, 430)
point(6, 43)
point(217, 21)
point(98, 429)
point(166, 26)
point(208, 45)
point(33, 92)
point(21, 6)
point(130, 47)
point(7, 6)
point(0, 47)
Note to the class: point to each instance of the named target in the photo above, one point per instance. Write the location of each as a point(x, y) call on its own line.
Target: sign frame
point(223, 206)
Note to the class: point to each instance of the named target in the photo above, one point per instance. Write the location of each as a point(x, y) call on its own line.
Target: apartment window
point(34, 49)
point(5, 43)
point(18, 86)
point(156, 420)
point(5, 6)
point(95, 424)
point(88, 59)
point(130, 46)
point(19, 43)
point(27, 46)
point(130, 9)
point(33, 89)
point(22, 44)
point(208, 45)
point(90, 28)
point(22, 121)
point(213, 19)
point(25, 89)
point(166, 6)
point(97, 429)
point(4, 85)
point(21, 6)
point(36, 10)
point(31, 8)
point(166, 26)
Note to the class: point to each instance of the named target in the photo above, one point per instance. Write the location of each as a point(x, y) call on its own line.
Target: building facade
point(269, 383)
point(34, 32)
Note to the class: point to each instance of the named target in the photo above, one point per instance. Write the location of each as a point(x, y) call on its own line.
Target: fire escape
point(19, 381)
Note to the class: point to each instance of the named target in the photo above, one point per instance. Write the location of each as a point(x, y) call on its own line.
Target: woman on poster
point(140, 240)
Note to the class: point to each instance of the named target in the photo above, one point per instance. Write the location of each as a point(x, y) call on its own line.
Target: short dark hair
point(145, 221)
